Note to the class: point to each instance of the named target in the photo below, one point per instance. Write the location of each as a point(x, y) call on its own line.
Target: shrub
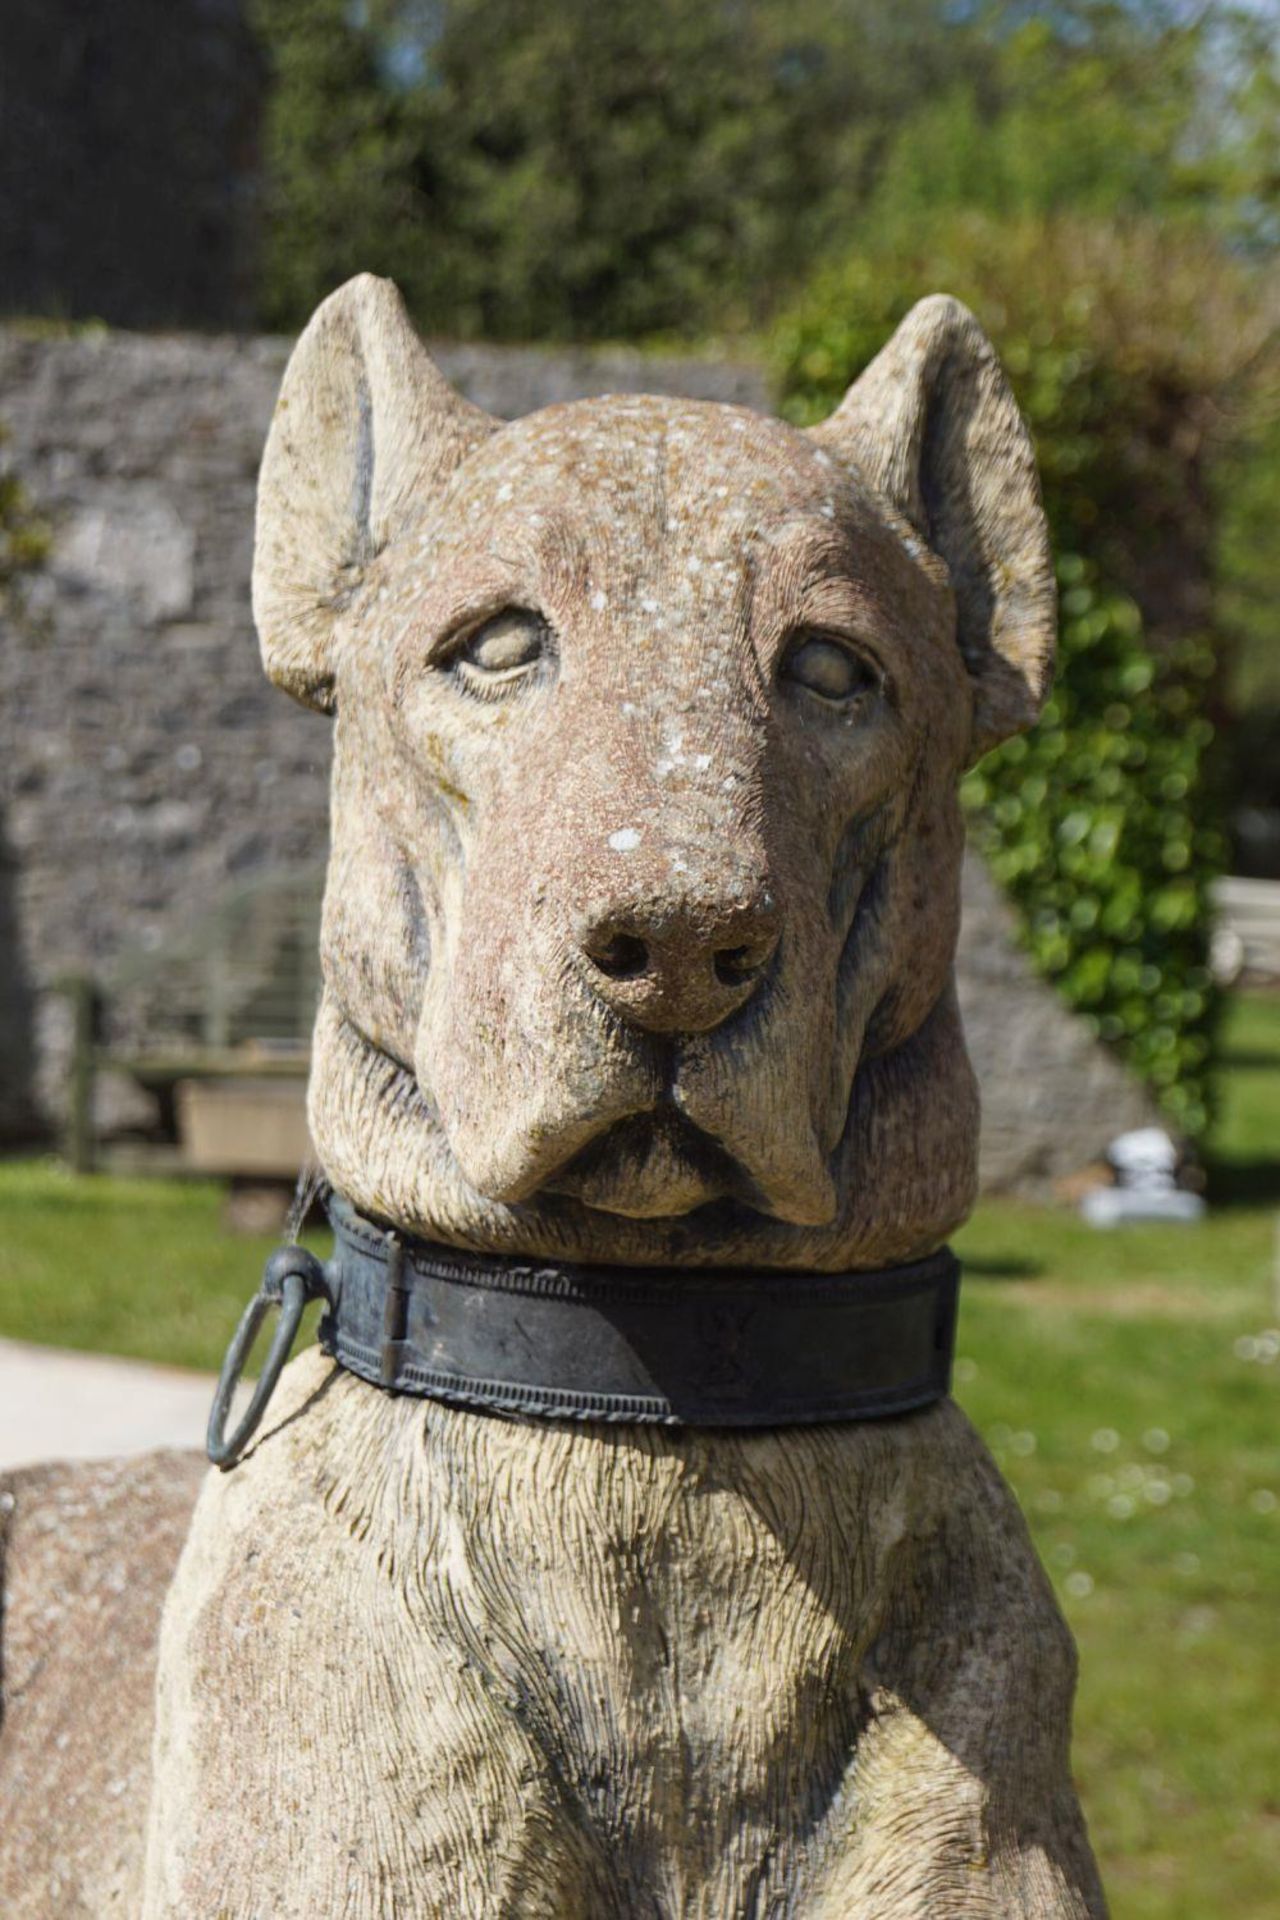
point(1124, 346)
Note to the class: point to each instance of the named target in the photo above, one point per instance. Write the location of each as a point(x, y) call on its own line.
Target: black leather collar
point(681, 1347)
point(704, 1348)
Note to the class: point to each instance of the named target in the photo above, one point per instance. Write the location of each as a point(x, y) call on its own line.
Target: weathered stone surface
point(655, 746)
point(142, 772)
point(145, 768)
point(638, 947)
point(86, 1555)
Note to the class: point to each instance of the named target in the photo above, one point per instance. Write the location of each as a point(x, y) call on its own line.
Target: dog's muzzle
point(698, 1347)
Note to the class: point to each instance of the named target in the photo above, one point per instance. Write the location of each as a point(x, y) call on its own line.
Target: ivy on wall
point(24, 538)
point(1122, 344)
point(1101, 828)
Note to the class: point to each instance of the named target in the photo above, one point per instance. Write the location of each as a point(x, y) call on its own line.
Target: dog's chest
point(665, 1632)
point(571, 1673)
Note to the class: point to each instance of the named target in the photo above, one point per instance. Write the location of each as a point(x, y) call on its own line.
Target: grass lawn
point(1122, 1384)
point(1127, 1383)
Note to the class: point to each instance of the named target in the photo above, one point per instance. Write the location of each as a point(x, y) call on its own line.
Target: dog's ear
point(365, 429)
point(932, 425)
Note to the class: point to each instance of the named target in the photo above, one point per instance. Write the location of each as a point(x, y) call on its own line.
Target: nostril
point(735, 965)
point(622, 957)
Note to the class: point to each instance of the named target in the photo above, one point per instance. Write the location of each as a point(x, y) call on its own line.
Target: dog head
point(643, 891)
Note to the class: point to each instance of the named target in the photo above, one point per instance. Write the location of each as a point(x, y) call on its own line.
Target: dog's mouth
point(538, 1089)
point(655, 1165)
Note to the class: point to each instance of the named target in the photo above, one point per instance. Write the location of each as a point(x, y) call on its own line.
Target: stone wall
point(1052, 1097)
point(146, 768)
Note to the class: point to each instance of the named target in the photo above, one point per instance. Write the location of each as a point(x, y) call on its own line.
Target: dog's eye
point(823, 664)
point(506, 646)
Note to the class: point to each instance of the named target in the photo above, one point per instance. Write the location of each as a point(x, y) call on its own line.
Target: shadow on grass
point(1248, 1059)
point(1244, 1183)
point(995, 1266)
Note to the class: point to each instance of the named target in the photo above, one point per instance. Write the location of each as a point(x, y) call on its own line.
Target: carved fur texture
point(420, 1661)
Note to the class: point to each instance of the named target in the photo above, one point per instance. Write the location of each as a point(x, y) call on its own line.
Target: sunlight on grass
point(1126, 1382)
point(1144, 1455)
point(131, 1266)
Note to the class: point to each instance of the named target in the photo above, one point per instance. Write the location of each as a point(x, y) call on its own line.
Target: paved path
point(80, 1406)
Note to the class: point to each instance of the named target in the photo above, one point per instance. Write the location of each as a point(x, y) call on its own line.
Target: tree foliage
point(1099, 108)
point(339, 148)
point(577, 171)
point(571, 170)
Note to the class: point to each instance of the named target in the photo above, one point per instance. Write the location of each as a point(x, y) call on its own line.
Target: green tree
point(575, 171)
point(1097, 108)
point(572, 170)
point(341, 147)
point(652, 165)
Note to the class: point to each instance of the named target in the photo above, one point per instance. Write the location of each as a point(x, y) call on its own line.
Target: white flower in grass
point(1263, 1347)
point(1079, 1584)
point(1199, 1621)
point(1104, 1440)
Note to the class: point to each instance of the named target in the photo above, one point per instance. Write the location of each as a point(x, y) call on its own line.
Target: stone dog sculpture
point(637, 953)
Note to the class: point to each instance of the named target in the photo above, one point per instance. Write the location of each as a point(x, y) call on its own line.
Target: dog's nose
point(679, 968)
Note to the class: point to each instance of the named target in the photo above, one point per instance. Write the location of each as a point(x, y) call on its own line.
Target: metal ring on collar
point(292, 1278)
